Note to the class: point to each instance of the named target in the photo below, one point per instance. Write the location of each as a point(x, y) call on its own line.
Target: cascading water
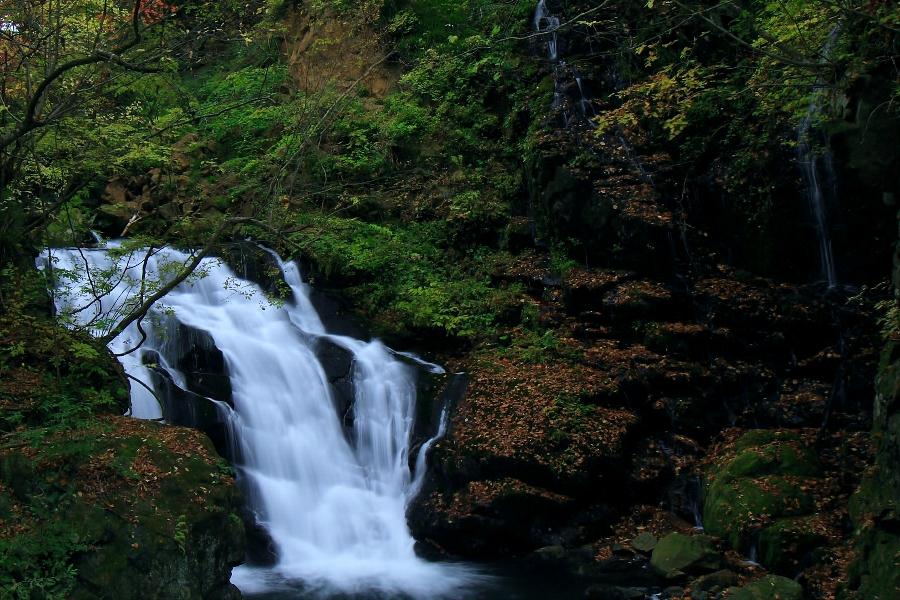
point(817, 169)
point(546, 22)
point(334, 507)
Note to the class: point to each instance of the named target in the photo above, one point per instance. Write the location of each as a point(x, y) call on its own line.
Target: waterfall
point(546, 22)
point(815, 169)
point(333, 502)
point(818, 171)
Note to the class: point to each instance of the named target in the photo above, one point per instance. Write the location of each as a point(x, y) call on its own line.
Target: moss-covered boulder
point(719, 580)
point(644, 542)
point(678, 554)
point(94, 504)
point(770, 587)
point(117, 509)
point(786, 541)
point(759, 490)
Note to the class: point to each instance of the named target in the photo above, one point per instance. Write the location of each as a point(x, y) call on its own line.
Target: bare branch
point(30, 120)
point(141, 311)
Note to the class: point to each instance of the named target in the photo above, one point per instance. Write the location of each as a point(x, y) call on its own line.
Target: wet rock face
point(252, 262)
point(495, 518)
point(337, 362)
point(202, 363)
point(195, 355)
point(867, 161)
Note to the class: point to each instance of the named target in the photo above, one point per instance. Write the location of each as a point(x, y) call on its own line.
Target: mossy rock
point(875, 574)
point(720, 579)
point(758, 486)
point(733, 509)
point(678, 554)
point(765, 452)
point(118, 509)
point(50, 376)
point(785, 544)
point(875, 507)
point(644, 542)
point(770, 587)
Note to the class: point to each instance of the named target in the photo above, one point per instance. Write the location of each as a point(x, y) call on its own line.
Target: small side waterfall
point(818, 171)
point(333, 503)
point(565, 77)
point(544, 21)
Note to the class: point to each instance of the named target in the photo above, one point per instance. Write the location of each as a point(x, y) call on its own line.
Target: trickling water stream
point(334, 504)
point(817, 173)
point(817, 169)
point(544, 21)
point(548, 23)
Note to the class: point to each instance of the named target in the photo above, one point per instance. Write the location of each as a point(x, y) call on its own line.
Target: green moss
point(120, 509)
point(50, 376)
point(760, 481)
point(872, 498)
point(786, 542)
point(734, 509)
point(875, 506)
point(770, 456)
point(86, 496)
point(644, 542)
point(406, 279)
point(875, 574)
point(677, 554)
point(770, 587)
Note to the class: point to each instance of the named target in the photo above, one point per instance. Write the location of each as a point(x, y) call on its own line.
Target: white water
point(544, 21)
point(335, 507)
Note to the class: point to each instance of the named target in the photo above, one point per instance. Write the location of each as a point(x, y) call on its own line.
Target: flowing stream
point(334, 502)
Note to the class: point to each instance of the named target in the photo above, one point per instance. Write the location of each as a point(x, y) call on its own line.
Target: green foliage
point(444, 22)
point(50, 377)
point(39, 565)
point(666, 98)
point(889, 318)
point(561, 263)
point(724, 92)
point(402, 277)
point(181, 530)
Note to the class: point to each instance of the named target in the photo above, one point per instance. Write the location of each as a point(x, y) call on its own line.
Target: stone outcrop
point(875, 508)
point(94, 505)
